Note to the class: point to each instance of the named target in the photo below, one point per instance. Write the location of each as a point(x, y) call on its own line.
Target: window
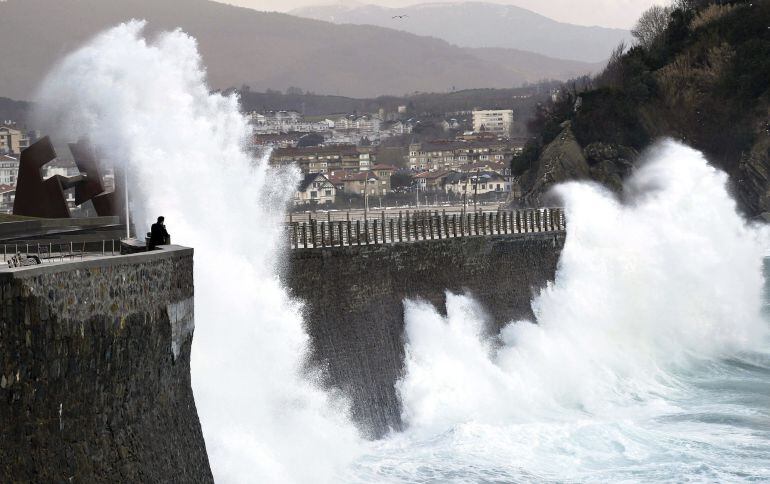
point(314, 194)
point(328, 193)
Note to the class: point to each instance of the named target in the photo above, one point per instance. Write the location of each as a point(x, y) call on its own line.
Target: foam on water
point(649, 359)
point(637, 367)
point(144, 103)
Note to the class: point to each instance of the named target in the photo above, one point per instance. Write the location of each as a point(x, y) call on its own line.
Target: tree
point(651, 25)
point(293, 91)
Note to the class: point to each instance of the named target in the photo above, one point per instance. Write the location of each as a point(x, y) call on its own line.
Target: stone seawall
point(354, 303)
point(95, 372)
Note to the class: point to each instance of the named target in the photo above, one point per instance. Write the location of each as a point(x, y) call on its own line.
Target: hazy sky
point(607, 13)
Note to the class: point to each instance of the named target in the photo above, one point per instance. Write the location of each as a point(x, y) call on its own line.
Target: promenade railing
point(419, 225)
point(45, 251)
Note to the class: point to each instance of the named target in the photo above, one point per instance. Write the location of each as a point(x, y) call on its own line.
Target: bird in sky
point(400, 16)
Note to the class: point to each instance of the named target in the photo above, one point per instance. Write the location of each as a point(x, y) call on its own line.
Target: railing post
point(444, 223)
point(430, 225)
point(454, 224)
point(384, 225)
point(323, 233)
point(392, 233)
point(349, 232)
point(374, 230)
point(400, 233)
point(358, 232)
point(313, 233)
point(366, 231)
point(407, 229)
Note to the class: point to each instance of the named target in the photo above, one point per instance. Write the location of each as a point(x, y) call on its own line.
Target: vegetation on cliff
point(699, 72)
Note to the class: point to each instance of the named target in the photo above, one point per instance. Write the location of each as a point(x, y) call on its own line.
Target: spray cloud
point(145, 104)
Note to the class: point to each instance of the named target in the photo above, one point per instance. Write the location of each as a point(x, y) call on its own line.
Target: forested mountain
point(702, 77)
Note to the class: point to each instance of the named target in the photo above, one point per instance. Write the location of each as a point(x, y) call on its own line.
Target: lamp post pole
point(128, 222)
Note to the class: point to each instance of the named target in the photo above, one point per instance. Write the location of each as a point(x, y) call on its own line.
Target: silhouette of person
point(158, 234)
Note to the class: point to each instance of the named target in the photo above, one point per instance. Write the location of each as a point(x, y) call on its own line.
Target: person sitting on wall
point(158, 234)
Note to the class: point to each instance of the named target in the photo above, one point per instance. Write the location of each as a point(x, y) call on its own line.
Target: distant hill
point(477, 24)
point(265, 50)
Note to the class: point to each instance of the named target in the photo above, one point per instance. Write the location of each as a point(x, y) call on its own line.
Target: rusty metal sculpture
point(36, 197)
point(105, 203)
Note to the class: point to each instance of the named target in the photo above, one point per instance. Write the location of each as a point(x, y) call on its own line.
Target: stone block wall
point(95, 372)
point(354, 303)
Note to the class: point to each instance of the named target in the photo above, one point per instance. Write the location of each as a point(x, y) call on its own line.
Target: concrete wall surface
point(95, 371)
point(354, 303)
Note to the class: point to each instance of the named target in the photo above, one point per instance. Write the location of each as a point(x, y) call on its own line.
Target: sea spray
point(653, 294)
point(145, 104)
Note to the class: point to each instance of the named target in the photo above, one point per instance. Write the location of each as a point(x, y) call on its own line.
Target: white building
point(9, 170)
point(498, 121)
point(315, 188)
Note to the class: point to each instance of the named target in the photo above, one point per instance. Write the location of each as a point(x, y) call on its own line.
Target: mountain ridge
point(504, 26)
point(263, 50)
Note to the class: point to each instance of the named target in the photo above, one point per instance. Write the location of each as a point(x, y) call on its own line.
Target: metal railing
point(24, 253)
point(412, 226)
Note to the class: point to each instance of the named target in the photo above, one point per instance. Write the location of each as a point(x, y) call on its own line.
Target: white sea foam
point(643, 286)
point(647, 290)
point(144, 103)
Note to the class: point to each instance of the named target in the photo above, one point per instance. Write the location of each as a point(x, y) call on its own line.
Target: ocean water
point(648, 361)
point(714, 426)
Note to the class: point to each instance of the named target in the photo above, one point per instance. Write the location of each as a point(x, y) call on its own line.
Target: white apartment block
point(9, 170)
point(498, 121)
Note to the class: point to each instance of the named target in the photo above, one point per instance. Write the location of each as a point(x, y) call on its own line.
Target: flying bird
point(400, 16)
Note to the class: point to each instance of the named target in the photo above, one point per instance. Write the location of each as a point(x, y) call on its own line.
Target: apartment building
point(9, 170)
point(453, 155)
point(361, 183)
point(12, 140)
point(498, 121)
point(325, 159)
